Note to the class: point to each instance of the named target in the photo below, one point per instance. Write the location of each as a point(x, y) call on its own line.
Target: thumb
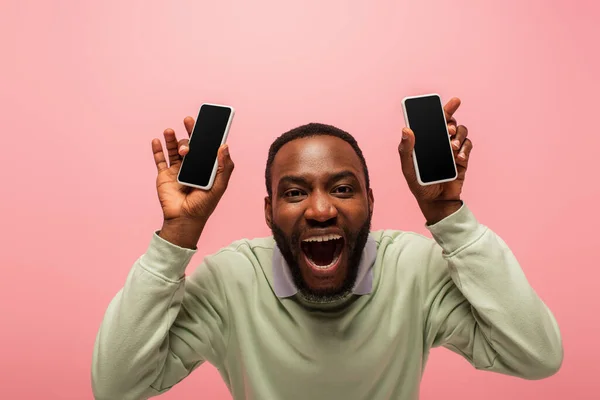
point(225, 167)
point(406, 154)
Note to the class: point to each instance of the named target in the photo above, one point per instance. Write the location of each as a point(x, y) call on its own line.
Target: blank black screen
point(204, 144)
point(432, 147)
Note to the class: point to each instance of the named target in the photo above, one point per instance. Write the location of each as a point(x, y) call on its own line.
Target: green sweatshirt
point(463, 290)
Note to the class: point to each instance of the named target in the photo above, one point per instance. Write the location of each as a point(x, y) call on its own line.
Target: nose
point(320, 208)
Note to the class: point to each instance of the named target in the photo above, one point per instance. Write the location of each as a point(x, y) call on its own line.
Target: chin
point(323, 296)
point(323, 285)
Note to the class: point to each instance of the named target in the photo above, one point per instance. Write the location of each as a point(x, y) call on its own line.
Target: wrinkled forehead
point(315, 157)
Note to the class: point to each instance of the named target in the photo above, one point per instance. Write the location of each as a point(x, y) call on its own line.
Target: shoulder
point(407, 256)
point(249, 250)
point(393, 242)
point(242, 260)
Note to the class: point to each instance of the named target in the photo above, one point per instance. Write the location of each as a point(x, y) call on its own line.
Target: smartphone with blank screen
point(199, 165)
point(432, 155)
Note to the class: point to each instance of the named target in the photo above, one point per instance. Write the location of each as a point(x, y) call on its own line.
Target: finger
point(171, 142)
point(451, 107)
point(452, 126)
point(224, 169)
point(462, 160)
point(184, 147)
point(189, 125)
point(159, 156)
point(405, 149)
point(459, 138)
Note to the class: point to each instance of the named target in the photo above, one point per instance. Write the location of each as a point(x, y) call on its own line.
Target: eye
point(293, 194)
point(344, 190)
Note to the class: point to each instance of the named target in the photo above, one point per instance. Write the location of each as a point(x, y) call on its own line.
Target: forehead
point(314, 157)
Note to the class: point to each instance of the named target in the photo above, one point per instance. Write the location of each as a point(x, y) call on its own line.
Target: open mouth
point(323, 252)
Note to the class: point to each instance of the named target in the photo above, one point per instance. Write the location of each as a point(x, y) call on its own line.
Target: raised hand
point(439, 200)
point(186, 210)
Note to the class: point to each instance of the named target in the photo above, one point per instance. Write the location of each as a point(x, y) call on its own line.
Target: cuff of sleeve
point(457, 230)
point(166, 259)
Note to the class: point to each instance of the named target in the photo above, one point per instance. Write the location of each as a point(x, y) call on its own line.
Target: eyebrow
point(300, 180)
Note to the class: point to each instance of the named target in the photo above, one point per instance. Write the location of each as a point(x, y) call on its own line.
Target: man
point(324, 309)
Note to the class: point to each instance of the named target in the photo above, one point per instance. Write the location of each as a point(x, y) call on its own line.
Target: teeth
point(322, 238)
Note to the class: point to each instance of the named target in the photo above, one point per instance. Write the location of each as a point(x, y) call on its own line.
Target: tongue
point(321, 253)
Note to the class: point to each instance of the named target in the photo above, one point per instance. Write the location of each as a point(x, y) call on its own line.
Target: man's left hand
point(439, 200)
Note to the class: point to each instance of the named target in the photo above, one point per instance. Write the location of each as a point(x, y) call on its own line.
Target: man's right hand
point(186, 210)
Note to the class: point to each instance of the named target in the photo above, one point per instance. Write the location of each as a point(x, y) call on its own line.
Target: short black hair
point(308, 130)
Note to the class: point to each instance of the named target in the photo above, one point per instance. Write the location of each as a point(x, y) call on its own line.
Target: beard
point(291, 251)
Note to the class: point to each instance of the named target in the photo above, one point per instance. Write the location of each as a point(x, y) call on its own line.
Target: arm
point(481, 305)
point(160, 326)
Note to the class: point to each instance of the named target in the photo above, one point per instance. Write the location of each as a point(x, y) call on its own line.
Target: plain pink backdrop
point(85, 86)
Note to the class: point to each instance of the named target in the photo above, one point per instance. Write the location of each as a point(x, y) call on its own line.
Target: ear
point(268, 212)
point(371, 201)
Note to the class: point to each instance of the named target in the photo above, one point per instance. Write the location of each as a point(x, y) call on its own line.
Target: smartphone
point(432, 156)
point(199, 165)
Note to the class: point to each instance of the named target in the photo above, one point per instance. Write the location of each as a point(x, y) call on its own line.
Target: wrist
point(182, 232)
point(436, 211)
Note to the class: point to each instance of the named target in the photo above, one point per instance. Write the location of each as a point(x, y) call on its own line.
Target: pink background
point(87, 85)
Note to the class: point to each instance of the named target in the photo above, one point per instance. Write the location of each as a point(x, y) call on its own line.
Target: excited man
point(325, 308)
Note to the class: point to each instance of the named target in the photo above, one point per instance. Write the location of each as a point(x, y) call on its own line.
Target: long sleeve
point(481, 305)
point(160, 326)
